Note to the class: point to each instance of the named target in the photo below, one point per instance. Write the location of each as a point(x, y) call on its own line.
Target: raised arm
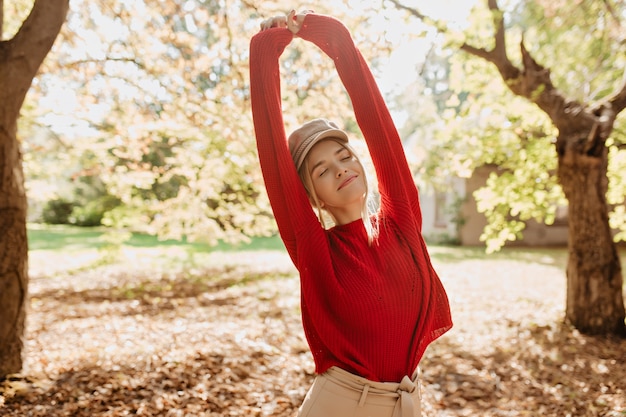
point(287, 196)
point(395, 179)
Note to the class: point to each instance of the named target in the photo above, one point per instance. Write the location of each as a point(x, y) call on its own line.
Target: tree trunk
point(13, 253)
point(20, 59)
point(595, 303)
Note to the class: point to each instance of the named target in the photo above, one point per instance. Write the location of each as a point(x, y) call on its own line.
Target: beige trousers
point(337, 393)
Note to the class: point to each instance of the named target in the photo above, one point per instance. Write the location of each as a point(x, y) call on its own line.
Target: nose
point(341, 171)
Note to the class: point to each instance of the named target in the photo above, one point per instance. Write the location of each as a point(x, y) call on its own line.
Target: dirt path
point(221, 336)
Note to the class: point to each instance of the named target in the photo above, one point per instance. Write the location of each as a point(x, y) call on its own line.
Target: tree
point(20, 59)
point(158, 115)
point(161, 114)
point(585, 137)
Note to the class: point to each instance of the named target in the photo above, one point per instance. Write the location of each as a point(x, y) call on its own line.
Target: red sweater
point(369, 309)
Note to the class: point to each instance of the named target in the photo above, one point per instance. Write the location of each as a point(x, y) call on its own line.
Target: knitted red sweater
point(369, 309)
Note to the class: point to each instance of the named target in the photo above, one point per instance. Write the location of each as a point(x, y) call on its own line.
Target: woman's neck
point(347, 214)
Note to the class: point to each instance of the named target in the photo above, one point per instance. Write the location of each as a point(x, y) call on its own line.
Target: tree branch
point(499, 49)
point(439, 26)
point(24, 53)
point(618, 101)
point(479, 52)
point(1, 18)
point(532, 81)
point(611, 11)
point(40, 29)
point(411, 10)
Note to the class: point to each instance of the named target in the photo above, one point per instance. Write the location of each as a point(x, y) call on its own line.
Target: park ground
point(168, 330)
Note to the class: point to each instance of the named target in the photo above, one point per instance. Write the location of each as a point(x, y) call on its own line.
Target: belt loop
point(366, 389)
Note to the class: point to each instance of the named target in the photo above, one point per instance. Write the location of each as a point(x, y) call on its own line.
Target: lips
point(347, 182)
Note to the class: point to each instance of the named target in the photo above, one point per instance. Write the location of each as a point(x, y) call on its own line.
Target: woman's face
point(338, 178)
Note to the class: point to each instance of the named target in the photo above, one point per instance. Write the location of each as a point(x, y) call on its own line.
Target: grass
point(81, 249)
point(72, 238)
point(84, 240)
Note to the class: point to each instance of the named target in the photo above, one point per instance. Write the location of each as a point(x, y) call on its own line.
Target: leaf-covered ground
point(221, 336)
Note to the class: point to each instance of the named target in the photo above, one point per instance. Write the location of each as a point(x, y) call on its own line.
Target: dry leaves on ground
point(223, 337)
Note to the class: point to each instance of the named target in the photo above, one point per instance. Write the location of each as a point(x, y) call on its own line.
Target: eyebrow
point(337, 152)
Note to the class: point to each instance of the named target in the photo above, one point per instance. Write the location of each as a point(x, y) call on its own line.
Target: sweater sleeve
point(399, 197)
point(290, 204)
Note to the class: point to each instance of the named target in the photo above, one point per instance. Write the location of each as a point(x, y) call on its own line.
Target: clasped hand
point(292, 21)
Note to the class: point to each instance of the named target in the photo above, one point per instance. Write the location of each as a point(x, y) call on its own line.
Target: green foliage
point(15, 12)
point(57, 211)
point(84, 203)
point(153, 102)
point(580, 41)
point(508, 202)
point(514, 136)
point(486, 125)
point(92, 213)
point(617, 181)
point(162, 92)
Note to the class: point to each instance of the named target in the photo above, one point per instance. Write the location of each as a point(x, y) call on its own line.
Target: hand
point(292, 21)
point(274, 22)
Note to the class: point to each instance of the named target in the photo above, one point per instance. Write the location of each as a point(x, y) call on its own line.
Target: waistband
point(400, 391)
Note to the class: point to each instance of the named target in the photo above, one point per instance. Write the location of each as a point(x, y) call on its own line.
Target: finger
point(265, 24)
point(292, 23)
point(277, 21)
point(281, 21)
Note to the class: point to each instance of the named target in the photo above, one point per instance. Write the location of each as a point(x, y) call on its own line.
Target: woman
point(371, 301)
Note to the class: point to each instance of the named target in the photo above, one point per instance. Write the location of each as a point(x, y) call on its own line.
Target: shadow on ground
point(549, 371)
point(153, 295)
point(228, 342)
point(206, 384)
point(556, 372)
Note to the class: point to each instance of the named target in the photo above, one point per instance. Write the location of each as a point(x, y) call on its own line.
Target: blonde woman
point(371, 301)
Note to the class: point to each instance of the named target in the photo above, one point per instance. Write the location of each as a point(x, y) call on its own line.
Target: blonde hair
point(368, 211)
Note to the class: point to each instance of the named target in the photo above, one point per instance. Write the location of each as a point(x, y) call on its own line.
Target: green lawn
point(48, 237)
point(71, 239)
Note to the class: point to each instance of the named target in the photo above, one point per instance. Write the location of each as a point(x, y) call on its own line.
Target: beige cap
point(302, 140)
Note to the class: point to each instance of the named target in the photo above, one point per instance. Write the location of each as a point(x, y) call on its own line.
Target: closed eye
point(342, 154)
point(345, 155)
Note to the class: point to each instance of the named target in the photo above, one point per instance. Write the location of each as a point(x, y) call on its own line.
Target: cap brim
point(314, 139)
